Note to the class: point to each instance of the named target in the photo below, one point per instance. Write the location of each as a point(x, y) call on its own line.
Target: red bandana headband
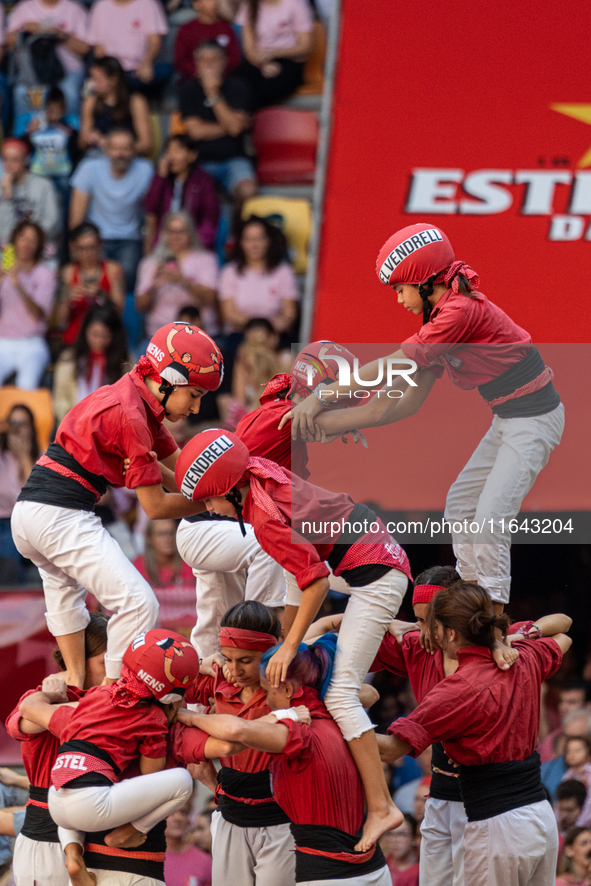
point(425, 593)
point(449, 276)
point(239, 638)
point(146, 370)
point(128, 690)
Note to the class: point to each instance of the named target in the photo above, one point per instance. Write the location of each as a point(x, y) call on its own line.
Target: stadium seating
point(294, 216)
point(285, 142)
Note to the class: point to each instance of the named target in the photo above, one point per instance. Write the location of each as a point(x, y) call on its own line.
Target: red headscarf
point(263, 469)
point(239, 638)
point(128, 690)
point(425, 593)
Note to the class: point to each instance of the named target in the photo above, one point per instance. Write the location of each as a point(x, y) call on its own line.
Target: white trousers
point(38, 864)
point(369, 611)
point(442, 843)
point(251, 856)
point(492, 486)
point(143, 801)
point(377, 878)
point(75, 554)
point(28, 357)
point(517, 848)
point(228, 569)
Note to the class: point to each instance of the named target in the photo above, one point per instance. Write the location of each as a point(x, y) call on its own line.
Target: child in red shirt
point(216, 467)
point(53, 522)
point(478, 345)
point(112, 726)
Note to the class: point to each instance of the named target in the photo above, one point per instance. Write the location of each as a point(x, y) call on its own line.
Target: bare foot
point(76, 868)
point(376, 825)
point(125, 837)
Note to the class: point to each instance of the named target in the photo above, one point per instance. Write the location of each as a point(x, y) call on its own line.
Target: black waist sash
point(246, 799)
point(494, 788)
point(537, 403)
point(149, 864)
point(329, 845)
point(38, 824)
point(445, 778)
point(359, 576)
point(48, 487)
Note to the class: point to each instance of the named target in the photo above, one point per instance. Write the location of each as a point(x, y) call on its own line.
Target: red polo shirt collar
point(474, 295)
point(146, 395)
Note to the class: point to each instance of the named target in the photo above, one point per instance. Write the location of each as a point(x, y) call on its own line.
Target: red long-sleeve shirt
point(482, 714)
point(40, 750)
point(464, 325)
point(259, 432)
point(315, 780)
point(301, 503)
point(227, 701)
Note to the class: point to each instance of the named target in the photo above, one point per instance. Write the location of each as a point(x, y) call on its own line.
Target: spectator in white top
point(26, 298)
point(259, 282)
point(108, 191)
point(65, 19)
point(25, 195)
point(131, 31)
point(178, 272)
point(277, 38)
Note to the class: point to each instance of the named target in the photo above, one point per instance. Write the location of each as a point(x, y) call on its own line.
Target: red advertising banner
point(474, 117)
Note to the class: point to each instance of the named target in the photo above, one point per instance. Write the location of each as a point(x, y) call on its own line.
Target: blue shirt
point(115, 203)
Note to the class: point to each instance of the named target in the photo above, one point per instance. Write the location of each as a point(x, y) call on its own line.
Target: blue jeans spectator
point(128, 253)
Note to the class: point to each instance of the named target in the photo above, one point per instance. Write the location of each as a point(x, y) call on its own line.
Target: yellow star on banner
point(580, 112)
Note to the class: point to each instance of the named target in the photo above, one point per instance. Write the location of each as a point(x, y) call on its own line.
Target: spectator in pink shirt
point(26, 297)
point(19, 450)
point(184, 863)
point(206, 26)
point(177, 272)
point(259, 282)
point(67, 20)
point(277, 38)
point(131, 31)
point(180, 183)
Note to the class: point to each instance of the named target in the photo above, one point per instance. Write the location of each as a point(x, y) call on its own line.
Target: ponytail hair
point(312, 665)
point(467, 608)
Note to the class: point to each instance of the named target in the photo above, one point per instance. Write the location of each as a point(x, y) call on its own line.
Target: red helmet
point(318, 362)
point(183, 354)
point(166, 662)
point(413, 255)
point(211, 464)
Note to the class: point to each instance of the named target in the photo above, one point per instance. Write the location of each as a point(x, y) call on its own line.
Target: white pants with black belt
point(251, 856)
point(143, 801)
point(228, 568)
point(75, 554)
point(516, 848)
point(382, 877)
point(442, 843)
point(492, 486)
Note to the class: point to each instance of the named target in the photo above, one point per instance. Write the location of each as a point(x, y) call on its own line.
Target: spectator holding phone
point(87, 282)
